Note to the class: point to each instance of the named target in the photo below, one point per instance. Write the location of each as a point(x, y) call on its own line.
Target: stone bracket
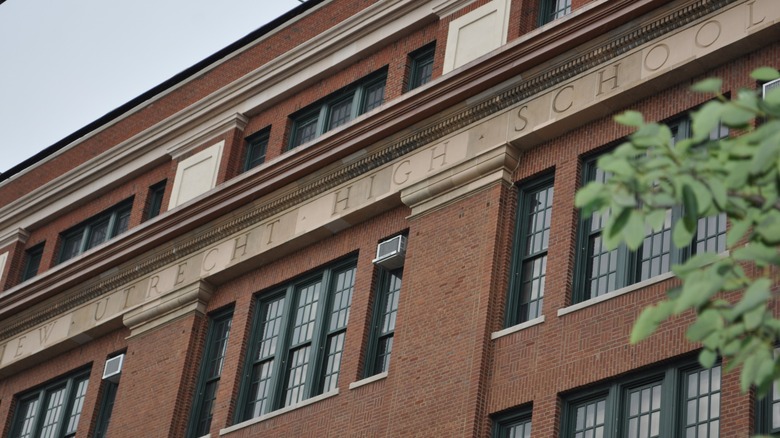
point(187, 300)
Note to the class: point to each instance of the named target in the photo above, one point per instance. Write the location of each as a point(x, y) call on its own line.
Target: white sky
point(65, 63)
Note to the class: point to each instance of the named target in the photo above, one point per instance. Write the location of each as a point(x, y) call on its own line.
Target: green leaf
point(753, 318)
point(719, 192)
point(765, 74)
point(690, 208)
point(634, 230)
point(706, 119)
point(737, 231)
point(616, 165)
point(656, 219)
point(766, 155)
point(758, 253)
point(589, 195)
point(696, 290)
point(710, 85)
point(707, 358)
point(694, 263)
point(630, 118)
point(772, 97)
point(769, 228)
point(649, 320)
point(755, 295)
point(736, 117)
point(709, 321)
point(681, 236)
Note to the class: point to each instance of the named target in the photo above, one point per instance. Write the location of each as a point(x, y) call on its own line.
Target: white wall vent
point(390, 254)
point(113, 368)
point(769, 86)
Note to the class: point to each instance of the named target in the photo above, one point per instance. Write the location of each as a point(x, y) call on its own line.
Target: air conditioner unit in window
point(769, 86)
point(113, 368)
point(390, 254)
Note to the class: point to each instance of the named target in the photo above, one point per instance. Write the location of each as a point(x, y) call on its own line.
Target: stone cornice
point(17, 235)
point(319, 54)
point(206, 133)
point(445, 93)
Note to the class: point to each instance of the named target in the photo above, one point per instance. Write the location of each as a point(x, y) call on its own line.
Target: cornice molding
point(208, 132)
point(17, 235)
point(438, 96)
point(448, 7)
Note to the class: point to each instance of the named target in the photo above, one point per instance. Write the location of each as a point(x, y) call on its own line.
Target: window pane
point(656, 250)
point(590, 417)
point(214, 359)
point(333, 361)
point(98, 233)
point(55, 400)
point(644, 411)
point(71, 245)
point(296, 375)
point(342, 299)
point(27, 412)
point(77, 405)
point(306, 313)
point(711, 234)
point(374, 96)
point(340, 113)
point(305, 131)
point(33, 262)
point(553, 9)
point(256, 149)
point(104, 418)
point(702, 403)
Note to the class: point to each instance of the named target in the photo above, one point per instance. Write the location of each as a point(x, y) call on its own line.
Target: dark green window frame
point(421, 66)
point(550, 10)
point(678, 400)
point(155, 199)
point(297, 340)
point(529, 258)
point(32, 261)
point(515, 423)
point(383, 327)
point(256, 146)
point(600, 271)
point(768, 410)
point(106, 408)
point(95, 230)
point(53, 410)
point(338, 108)
point(210, 373)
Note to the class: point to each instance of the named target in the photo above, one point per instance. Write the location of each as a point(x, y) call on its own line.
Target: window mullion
point(357, 101)
point(322, 120)
point(314, 373)
point(282, 352)
point(65, 407)
point(85, 238)
point(112, 220)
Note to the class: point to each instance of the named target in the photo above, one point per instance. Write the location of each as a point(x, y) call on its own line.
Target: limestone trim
point(615, 294)
point(448, 7)
point(206, 133)
point(13, 236)
point(146, 237)
point(367, 380)
point(169, 307)
point(517, 328)
point(462, 180)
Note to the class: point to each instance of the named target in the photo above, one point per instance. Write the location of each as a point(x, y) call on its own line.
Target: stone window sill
point(368, 380)
point(517, 328)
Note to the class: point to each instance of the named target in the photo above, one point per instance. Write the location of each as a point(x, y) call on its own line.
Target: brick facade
point(453, 371)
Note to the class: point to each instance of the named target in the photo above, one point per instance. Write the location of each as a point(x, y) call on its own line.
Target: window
point(768, 410)
point(550, 10)
point(529, 266)
point(385, 311)
point(676, 401)
point(155, 199)
point(601, 271)
point(421, 66)
point(513, 424)
point(106, 407)
point(95, 230)
point(210, 373)
point(51, 411)
point(298, 339)
point(338, 108)
point(256, 145)
point(32, 261)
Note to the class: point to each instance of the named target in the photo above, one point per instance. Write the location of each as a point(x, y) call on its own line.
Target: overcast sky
point(65, 63)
